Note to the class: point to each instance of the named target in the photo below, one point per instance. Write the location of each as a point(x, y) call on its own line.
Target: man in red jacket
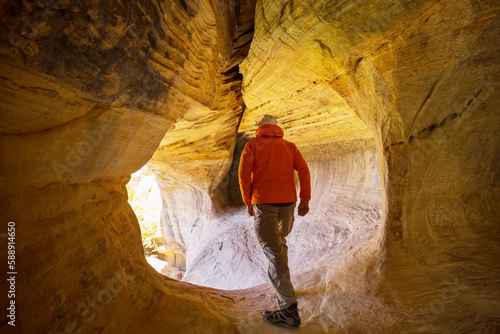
point(267, 184)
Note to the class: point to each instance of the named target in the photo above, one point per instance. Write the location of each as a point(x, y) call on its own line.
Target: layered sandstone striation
point(89, 91)
point(422, 77)
point(394, 106)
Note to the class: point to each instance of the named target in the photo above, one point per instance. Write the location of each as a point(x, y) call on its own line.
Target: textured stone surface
point(394, 105)
point(89, 91)
point(423, 77)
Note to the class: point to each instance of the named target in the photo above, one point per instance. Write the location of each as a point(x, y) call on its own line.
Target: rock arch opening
point(92, 91)
point(210, 236)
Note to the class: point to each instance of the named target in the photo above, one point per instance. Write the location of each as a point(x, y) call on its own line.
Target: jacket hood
point(270, 130)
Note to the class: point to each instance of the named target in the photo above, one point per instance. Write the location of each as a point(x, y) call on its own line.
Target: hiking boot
point(287, 317)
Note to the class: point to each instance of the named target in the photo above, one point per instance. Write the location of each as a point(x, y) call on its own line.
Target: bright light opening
point(145, 199)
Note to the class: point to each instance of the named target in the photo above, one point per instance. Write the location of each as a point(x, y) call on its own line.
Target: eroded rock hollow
point(393, 104)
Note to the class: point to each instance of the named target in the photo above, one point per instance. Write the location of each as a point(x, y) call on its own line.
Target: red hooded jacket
point(266, 170)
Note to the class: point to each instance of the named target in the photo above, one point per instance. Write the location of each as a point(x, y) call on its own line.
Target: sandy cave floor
point(324, 306)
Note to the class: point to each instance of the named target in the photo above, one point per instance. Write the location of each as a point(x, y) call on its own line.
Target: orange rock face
point(394, 106)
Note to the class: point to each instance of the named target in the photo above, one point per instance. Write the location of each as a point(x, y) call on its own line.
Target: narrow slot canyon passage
point(394, 106)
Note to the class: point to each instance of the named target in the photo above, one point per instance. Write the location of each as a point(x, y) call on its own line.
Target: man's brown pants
point(272, 224)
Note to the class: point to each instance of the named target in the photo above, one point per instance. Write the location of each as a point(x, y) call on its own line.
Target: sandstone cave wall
point(423, 77)
point(91, 90)
point(88, 91)
point(195, 155)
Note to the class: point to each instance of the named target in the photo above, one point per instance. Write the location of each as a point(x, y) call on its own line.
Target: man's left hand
point(303, 209)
